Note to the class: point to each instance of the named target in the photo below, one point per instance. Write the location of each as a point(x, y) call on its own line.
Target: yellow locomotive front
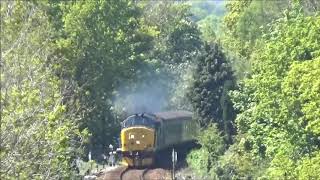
point(138, 141)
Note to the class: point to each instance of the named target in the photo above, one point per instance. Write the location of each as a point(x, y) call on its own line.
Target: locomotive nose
point(137, 138)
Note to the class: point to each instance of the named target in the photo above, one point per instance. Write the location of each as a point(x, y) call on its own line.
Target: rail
point(123, 172)
point(142, 176)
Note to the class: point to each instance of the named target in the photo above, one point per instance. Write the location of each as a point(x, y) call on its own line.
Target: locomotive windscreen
point(138, 121)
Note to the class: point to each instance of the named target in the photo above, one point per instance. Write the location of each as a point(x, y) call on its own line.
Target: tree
point(210, 28)
point(273, 109)
point(278, 101)
point(39, 139)
point(100, 42)
point(206, 158)
point(208, 93)
point(244, 24)
point(178, 38)
point(208, 15)
point(174, 42)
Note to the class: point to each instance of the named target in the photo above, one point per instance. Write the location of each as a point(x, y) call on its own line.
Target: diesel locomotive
point(144, 135)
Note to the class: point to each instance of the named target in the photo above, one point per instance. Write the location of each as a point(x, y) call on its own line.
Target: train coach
point(144, 135)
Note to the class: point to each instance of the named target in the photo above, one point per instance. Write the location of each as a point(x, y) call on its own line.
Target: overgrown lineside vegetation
point(249, 71)
point(39, 135)
point(71, 71)
point(275, 54)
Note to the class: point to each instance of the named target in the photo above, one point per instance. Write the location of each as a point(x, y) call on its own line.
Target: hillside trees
point(208, 15)
point(174, 42)
point(64, 63)
point(39, 138)
point(278, 93)
point(114, 50)
point(99, 44)
point(243, 25)
point(205, 159)
point(177, 36)
point(247, 21)
point(208, 93)
point(273, 102)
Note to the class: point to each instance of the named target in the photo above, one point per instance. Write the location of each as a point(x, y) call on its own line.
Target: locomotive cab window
point(138, 121)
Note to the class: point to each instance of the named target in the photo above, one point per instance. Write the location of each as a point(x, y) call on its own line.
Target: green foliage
point(283, 163)
point(309, 167)
point(175, 41)
point(113, 49)
point(302, 86)
point(210, 28)
point(197, 160)
point(274, 102)
point(177, 37)
point(201, 9)
point(236, 9)
point(238, 163)
point(246, 22)
point(208, 92)
point(208, 16)
point(243, 26)
point(65, 64)
point(100, 42)
point(269, 71)
point(39, 138)
point(213, 146)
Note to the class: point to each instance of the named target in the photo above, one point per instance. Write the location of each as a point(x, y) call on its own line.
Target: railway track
point(144, 172)
point(125, 173)
point(114, 174)
point(138, 174)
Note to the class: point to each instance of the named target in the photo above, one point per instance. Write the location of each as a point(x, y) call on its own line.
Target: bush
point(212, 146)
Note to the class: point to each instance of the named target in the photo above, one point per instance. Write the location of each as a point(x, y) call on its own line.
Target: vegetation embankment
point(249, 70)
point(276, 99)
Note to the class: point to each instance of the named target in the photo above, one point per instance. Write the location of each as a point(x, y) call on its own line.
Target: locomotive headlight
point(138, 142)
